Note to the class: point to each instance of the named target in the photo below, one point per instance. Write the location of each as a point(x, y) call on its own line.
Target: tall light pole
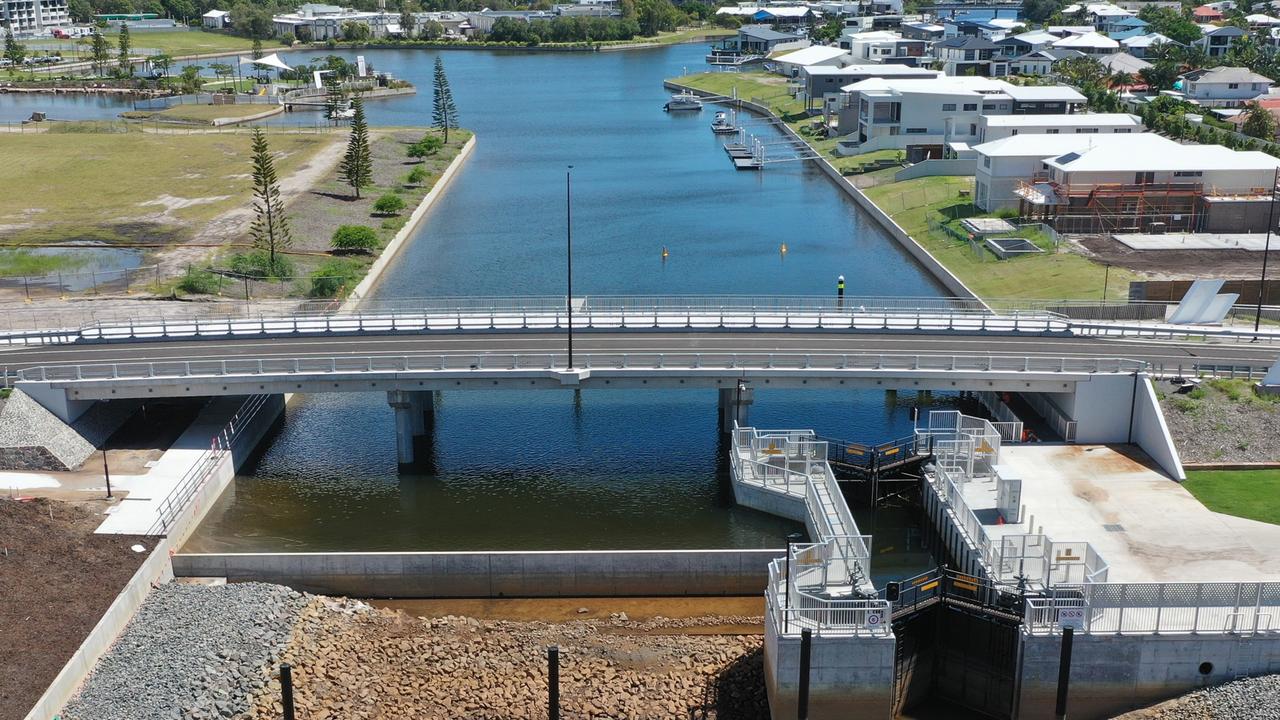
point(1266, 250)
point(568, 239)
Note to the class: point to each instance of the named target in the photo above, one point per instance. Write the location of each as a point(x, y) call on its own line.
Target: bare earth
point(1171, 264)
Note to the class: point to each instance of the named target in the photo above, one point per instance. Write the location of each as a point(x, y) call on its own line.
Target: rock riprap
point(191, 653)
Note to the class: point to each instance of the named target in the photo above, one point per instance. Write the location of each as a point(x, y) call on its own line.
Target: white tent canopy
point(270, 61)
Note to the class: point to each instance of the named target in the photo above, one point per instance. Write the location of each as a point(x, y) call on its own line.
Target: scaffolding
point(1113, 207)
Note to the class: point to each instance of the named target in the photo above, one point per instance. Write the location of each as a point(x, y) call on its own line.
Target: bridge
point(736, 345)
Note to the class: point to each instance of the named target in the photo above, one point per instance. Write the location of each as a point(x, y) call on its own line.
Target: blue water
point(608, 469)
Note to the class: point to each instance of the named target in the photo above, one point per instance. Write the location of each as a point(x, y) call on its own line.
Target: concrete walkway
point(1164, 534)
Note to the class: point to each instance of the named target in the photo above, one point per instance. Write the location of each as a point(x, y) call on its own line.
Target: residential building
point(1216, 40)
point(1041, 62)
point(1124, 27)
point(785, 17)
point(971, 56)
point(315, 21)
point(828, 82)
point(924, 116)
point(1024, 43)
point(1065, 30)
point(1090, 43)
point(989, 28)
point(1222, 86)
point(929, 32)
point(1140, 45)
point(216, 20)
point(1138, 183)
point(998, 127)
point(482, 22)
point(882, 46)
point(1122, 62)
point(1206, 14)
point(793, 62)
point(27, 17)
point(763, 40)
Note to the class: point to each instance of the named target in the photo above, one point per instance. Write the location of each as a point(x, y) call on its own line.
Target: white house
point(315, 21)
point(1140, 45)
point(1223, 86)
point(1090, 43)
point(931, 114)
point(882, 46)
point(216, 19)
point(998, 127)
point(827, 83)
point(1216, 40)
point(966, 55)
point(793, 62)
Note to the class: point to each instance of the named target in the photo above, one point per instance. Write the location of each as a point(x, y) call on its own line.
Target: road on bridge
point(1164, 355)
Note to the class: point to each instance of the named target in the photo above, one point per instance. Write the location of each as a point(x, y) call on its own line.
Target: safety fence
point(1241, 608)
point(1006, 423)
point(556, 361)
point(1061, 423)
point(220, 446)
point(793, 610)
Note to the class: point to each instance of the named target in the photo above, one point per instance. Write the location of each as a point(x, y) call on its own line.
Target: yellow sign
point(772, 449)
point(984, 447)
point(929, 586)
point(966, 586)
point(853, 450)
point(892, 452)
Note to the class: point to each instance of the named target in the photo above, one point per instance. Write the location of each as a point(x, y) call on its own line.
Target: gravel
point(32, 438)
point(1257, 698)
point(191, 653)
point(1214, 428)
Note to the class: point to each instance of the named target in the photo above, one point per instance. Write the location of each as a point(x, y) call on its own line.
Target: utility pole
point(1266, 250)
point(568, 237)
point(106, 473)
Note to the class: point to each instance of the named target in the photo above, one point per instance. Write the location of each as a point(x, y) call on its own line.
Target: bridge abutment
point(735, 406)
point(414, 415)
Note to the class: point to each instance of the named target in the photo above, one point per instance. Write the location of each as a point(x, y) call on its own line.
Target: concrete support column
point(735, 405)
point(403, 405)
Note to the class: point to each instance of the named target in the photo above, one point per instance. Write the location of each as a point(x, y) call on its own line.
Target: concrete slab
point(1194, 241)
point(1146, 527)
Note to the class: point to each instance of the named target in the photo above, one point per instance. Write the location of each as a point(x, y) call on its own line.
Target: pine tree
point(257, 49)
point(14, 51)
point(100, 53)
point(356, 168)
point(444, 114)
point(335, 99)
point(270, 228)
point(125, 46)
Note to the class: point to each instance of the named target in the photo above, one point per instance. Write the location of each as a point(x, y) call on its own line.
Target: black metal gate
point(958, 643)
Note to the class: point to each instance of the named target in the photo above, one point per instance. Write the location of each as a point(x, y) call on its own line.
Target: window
point(1122, 130)
point(917, 131)
point(970, 107)
point(1086, 131)
point(1188, 173)
point(988, 106)
point(986, 161)
point(948, 107)
point(1142, 178)
point(968, 55)
point(1051, 131)
point(1233, 86)
point(973, 129)
point(1015, 132)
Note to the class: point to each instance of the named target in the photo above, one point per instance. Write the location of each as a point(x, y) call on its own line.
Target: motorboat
point(683, 101)
point(722, 125)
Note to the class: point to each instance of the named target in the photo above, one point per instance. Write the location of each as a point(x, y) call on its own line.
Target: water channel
point(543, 469)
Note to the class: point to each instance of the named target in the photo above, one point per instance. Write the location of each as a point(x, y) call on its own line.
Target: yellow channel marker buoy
point(783, 249)
point(664, 252)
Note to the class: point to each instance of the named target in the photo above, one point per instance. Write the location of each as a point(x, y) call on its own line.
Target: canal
point(604, 469)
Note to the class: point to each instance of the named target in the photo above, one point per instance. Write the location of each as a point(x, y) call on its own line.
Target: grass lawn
point(1252, 494)
point(209, 113)
point(174, 42)
point(138, 186)
point(765, 88)
point(16, 263)
point(671, 38)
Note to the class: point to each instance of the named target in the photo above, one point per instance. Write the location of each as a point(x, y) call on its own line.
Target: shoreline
point(940, 273)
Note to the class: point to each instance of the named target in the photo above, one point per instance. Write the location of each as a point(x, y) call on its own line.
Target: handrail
point(556, 362)
point(1237, 608)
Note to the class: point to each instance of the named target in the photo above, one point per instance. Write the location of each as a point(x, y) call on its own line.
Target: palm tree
point(1120, 80)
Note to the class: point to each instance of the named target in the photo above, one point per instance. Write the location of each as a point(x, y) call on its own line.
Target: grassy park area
point(202, 113)
point(1252, 494)
point(178, 43)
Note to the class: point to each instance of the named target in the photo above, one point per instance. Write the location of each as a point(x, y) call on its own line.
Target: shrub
point(1185, 405)
point(357, 238)
point(334, 276)
point(200, 282)
point(428, 145)
point(389, 204)
point(258, 265)
point(417, 176)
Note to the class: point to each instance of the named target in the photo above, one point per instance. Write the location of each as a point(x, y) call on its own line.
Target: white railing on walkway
point(1007, 422)
point(793, 610)
point(1243, 608)
point(558, 362)
point(219, 447)
point(1058, 420)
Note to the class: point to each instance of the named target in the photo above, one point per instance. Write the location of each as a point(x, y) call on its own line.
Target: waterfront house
point(763, 40)
point(882, 46)
point(971, 56)
point(1216, 40)
point(997, 127)
point(315, 21)
point(790, 64)
point(216, 20)
point(1222, 86)
point(1135, 183)
point(925, 116)
point(827, 83)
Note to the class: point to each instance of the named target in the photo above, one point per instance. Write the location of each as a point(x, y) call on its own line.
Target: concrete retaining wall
point(939, 271)
point(849, 677)
point(155, 570)
point(1151, 432)
point(1111, 674)
point(401, 239)
point(933, 168)
point(598, 573)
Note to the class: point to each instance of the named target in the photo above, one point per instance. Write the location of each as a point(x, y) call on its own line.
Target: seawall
point(917, 251)
point(496, 574)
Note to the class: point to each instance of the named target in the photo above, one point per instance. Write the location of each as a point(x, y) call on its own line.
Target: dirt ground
point(354, 661)
point(1222, 421)
point(1171, 264)
point(56, 580)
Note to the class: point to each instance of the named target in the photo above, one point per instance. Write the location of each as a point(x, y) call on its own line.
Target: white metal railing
point(1007, 423)
point(558, 361)
point(1058, 420)
point(1242, 608)
point(219, 447)
point(793, 610)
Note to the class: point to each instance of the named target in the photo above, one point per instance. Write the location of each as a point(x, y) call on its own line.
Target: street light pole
point(568, 238)
point(1266, 250)
point(106, 473)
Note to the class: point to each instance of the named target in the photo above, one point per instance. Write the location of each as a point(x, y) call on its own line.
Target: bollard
point(553, 682)
point(286, 690)
point(1064, 673)
point(840, 293)
point(806, 647)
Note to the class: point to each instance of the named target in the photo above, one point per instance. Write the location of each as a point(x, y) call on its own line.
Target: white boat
point(722, 125)
point(683, 101)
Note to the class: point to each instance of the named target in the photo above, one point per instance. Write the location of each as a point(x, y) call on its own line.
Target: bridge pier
point(735, 406)
point(412, 409)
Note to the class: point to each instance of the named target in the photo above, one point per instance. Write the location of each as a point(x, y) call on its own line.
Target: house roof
point(812, 55)
point(1066, 121)
point(760, 32)
point(1260, 19)
point(1147, 152)
point(1226, 75)
point(1142, 41)
point(874, 70)
point(783, 12)
point(1088, 40)
point(1207, 29)
point(1124, 62)
point(216, 14)
point(1132, 21)
point(942, 85)
point(1206, 11)
point(1035, 37)
point(967, 43)
point(1056, 54)
point(1046, 146)
point(1038, 93)
point(924, 27)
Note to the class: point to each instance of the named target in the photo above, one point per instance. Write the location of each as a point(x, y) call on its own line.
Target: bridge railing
point(793, 610)
point(1240, 608)
point(556, 362)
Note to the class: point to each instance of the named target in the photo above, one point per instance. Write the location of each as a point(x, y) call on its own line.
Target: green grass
point(209, 113)
point(1252, 494)
point(767, 88)
point(58, 186)
point(175, 42)
point(16, 263)
point(681, 36)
